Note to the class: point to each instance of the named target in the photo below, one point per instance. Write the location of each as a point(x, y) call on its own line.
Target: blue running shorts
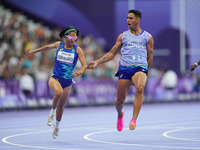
point(129, 72)
point(63, 82)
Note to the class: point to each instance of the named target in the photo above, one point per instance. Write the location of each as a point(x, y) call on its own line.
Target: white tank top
point(134, 51)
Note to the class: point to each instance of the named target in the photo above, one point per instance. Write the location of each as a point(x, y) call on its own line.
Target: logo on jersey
point(135, 45)
point(73, 50)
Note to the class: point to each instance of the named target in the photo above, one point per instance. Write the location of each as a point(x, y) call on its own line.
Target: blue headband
point(70, 31)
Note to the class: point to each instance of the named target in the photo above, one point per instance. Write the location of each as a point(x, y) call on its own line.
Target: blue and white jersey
point(134, 51)
point(65, 61)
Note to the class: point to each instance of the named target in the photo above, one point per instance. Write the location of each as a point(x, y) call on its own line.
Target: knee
point(58, 93)
point(140, 89)
point(120, 100)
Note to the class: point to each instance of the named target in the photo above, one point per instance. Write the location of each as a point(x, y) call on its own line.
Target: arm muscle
point(150, 51)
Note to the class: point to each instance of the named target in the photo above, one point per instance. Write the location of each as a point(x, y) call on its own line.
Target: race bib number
point(66, 58)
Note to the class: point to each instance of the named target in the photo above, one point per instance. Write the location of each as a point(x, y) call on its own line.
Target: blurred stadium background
point(29, 24)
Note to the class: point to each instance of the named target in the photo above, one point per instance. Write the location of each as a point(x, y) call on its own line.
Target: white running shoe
point(50, 119)
point(55, 131)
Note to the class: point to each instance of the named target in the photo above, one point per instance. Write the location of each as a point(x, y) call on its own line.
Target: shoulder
point(57, 44)
point(125, 33)
point(119, 38)
point(122, 35)
point(147, 35)
point(78, 49)
point(79, 52)
point(149, 39)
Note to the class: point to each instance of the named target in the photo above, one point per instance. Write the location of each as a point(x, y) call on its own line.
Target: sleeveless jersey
point(134, 51)
point(65, 61)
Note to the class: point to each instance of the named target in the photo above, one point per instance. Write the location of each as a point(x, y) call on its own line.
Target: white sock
point(53, 111)
point(57, 124)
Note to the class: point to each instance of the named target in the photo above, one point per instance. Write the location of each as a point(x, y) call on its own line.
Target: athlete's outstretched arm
point(108, 56)
point(81, 57)
point(43, 48)
point(193, 67)
point(150, 51)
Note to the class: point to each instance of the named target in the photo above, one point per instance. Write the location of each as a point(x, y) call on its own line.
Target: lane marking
point(105, 142)
point(165, 134)
point(22, 145)
point(86, 137)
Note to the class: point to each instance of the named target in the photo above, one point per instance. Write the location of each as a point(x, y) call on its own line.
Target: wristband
point(196, 64)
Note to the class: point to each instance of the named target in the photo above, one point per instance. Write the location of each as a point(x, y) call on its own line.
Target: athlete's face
point(132, 21)
point(70, 38)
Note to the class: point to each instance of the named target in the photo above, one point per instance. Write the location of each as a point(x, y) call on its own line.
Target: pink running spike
point(120, 123)
point(132, 125)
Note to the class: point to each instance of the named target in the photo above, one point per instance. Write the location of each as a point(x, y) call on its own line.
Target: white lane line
point(86, 137)
point(22, 145)
point(165, 134)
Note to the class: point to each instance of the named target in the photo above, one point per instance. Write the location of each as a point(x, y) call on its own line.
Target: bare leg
point(61, 104)
point(122, 90)
point(139, 80)
point(137, 105)
point(58, 91)
point(59, 110)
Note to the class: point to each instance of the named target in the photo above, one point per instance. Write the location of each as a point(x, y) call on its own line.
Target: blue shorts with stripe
point(128, 72)
point(63, 82)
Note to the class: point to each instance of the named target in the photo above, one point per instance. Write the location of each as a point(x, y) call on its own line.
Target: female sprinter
point(61, 80)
